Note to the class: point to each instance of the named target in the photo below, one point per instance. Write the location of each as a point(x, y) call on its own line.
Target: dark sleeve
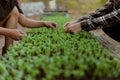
point(101, 22)
point(107, 8)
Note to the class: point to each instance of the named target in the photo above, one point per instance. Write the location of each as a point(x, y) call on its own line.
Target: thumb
point(52, 26)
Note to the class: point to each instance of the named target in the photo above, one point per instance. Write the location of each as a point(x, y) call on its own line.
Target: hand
point(73, 28)
point(15, 34)
point(69, 23)
point(50, 24)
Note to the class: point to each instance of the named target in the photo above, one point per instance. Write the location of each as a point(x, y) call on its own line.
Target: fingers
point(66, 25)
point(22, 33)
point(74, 28)
point(69, 30)
point(66, 29)
point(54, 25)
point(51, 25)
point(17, 34)
point(69, 23)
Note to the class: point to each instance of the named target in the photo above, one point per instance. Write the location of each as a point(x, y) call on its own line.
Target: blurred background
point(75, 8)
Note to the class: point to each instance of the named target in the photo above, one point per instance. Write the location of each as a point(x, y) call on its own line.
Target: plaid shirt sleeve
point(101, 22)
point(107, 8)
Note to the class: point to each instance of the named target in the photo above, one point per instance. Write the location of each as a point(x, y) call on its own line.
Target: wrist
point(5, 31)
point(43, 23)
point(84, 25)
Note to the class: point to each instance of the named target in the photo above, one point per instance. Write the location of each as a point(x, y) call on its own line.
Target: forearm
point(107, 8)
point(101, 22)
point(4, 31)
point(29, 23)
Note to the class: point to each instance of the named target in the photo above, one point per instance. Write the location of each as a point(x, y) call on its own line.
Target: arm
point(90, 24)
point(101, 22)
point(29, 23)
point(3, 31)
point(12, 33)
point(107, 8)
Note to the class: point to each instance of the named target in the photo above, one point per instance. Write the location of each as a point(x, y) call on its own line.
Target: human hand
point(50, 24)
point(73, 28)
point(69, 23)
point(15, 34)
